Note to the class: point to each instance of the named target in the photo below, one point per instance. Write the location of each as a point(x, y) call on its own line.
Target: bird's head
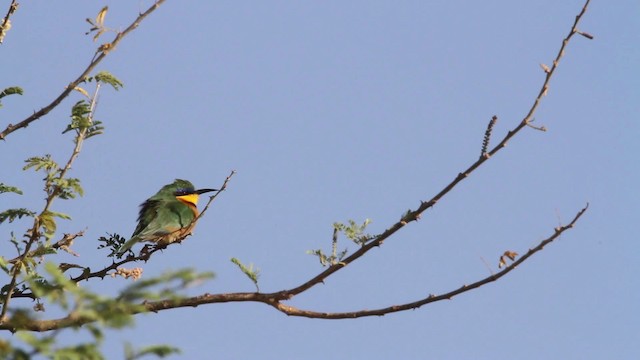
point(182, 190)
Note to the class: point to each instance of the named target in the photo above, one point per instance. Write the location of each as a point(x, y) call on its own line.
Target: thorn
point(587, 35)
point(545, 68)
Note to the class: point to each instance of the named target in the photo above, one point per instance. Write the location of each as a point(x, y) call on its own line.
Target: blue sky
point(336, 110)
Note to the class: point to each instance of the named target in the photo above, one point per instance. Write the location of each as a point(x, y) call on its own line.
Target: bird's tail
point(127, 245)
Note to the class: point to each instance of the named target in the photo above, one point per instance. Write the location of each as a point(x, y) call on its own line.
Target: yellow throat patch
point(189, 199)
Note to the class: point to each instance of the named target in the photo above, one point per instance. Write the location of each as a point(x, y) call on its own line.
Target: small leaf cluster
point(12, 214)
point(82, 121)
point(158, 350)
point(56, 185)
point(353, 231)
point(106, 78)
point(112, 242)
point(13, 90)
point(252, 273)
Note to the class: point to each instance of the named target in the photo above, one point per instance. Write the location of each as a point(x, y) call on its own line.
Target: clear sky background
point(335, 110)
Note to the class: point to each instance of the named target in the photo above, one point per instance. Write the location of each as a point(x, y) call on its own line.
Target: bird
point(167, 216)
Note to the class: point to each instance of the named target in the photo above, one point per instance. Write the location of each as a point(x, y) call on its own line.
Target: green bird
point(167, 216)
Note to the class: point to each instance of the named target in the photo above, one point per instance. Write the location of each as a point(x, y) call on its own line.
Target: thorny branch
point(87, 274)
point(276, 299)
point(103, 50)
point(416, 214)
point(145, 255)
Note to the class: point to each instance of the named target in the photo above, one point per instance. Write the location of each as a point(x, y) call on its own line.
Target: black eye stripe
point(181, 192)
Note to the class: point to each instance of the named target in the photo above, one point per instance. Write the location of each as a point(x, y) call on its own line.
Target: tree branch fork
point(280, 299)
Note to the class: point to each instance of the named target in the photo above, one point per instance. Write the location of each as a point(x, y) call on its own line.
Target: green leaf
point(48, 224)
point(87, 351)
point(59, 215)
point(6, 188)
point(44, 250)
point(40, 162)
point(81, 120)
point(68, 188)
point(94, 129)
point(252, 274)
point(11, 91)
point(157, 350)
point(12, 214)
point(4, 265)
point(355, 232)
point(113, 242)
point(108, 78)
point(80, 117)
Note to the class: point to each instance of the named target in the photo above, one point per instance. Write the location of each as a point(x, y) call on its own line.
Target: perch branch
point(145, 256)
point(275, 299)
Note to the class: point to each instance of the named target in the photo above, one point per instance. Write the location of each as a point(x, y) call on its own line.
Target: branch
point(62, 244)
point(215, 195)
point(146, 255)
point(35, 234)
point(102, 52)
point(289, 310)
point(275, 299)
point(414, 215)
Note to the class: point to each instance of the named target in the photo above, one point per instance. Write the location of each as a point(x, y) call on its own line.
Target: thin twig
point(6, 22)
point(215, 195)
point(66, 240)
point(103, 50)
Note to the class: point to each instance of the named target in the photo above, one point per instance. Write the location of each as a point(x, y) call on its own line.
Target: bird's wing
point(169, 216)
point(158, 218)
point(148, 212)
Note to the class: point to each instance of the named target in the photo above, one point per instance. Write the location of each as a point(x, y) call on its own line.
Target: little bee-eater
point(167, 216)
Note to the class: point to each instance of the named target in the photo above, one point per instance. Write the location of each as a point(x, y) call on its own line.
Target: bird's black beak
point(202, 191)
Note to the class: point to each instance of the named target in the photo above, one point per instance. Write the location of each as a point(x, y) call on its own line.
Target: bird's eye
point(180, 192)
